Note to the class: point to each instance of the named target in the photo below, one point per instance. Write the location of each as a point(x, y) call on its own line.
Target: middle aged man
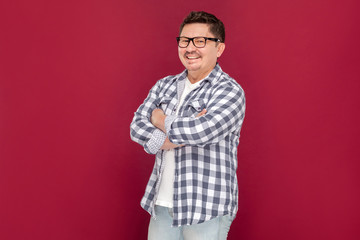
point(192, 123)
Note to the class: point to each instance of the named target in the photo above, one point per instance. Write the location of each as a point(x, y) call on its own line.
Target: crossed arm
point(158, 120)
point(224, 114)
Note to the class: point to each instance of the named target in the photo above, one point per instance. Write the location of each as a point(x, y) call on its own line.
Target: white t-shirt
point(166, 190)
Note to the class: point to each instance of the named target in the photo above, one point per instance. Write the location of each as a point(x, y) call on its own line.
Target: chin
point(192, 66)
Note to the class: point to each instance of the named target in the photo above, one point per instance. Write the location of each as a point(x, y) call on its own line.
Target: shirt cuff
point(155, 142)
point(168, 121)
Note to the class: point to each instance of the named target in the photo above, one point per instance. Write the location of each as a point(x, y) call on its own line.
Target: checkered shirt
point(205, 184)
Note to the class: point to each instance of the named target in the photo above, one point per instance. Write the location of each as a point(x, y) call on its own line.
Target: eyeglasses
point(198, 42)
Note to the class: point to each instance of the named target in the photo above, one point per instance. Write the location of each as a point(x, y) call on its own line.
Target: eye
point(184, 40)
point(200, 41)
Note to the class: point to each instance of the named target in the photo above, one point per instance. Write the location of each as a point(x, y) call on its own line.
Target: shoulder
point(229, 83)
point(168, 80)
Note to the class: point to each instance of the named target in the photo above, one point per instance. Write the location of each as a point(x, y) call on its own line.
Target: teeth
point(192, 57)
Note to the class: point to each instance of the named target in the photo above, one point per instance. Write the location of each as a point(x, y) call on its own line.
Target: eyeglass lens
point(197, 41)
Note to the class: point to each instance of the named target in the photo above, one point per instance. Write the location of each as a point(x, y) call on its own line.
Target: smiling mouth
point(192, 58)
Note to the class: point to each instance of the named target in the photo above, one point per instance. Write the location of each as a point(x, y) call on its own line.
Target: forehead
point(196, 30)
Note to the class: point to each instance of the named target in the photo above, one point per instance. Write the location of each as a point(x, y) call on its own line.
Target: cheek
point(213, 55)
point(180, 54)
point(181, 51)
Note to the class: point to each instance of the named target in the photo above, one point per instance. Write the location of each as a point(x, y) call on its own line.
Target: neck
point(194, 76)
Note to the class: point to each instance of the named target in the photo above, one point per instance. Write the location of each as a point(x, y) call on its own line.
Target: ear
point(220, 49)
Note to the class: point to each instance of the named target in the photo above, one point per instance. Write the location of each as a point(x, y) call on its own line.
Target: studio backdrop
point(72, 74)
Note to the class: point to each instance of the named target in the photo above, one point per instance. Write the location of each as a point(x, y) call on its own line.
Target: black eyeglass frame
point(192, 40)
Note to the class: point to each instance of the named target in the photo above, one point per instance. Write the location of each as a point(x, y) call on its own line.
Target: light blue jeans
point(161, 229)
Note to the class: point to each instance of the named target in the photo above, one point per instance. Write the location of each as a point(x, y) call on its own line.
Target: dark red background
point(73, 72)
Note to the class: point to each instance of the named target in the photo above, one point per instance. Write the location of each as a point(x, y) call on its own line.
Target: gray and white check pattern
point(205, 184)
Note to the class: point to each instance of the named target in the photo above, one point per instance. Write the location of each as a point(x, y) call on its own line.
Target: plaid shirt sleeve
point(225, 113)
point(142, 130)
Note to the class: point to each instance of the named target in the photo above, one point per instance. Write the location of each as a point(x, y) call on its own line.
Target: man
point(192, 123)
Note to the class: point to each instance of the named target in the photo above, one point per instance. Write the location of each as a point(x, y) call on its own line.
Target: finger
point(201, 113)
